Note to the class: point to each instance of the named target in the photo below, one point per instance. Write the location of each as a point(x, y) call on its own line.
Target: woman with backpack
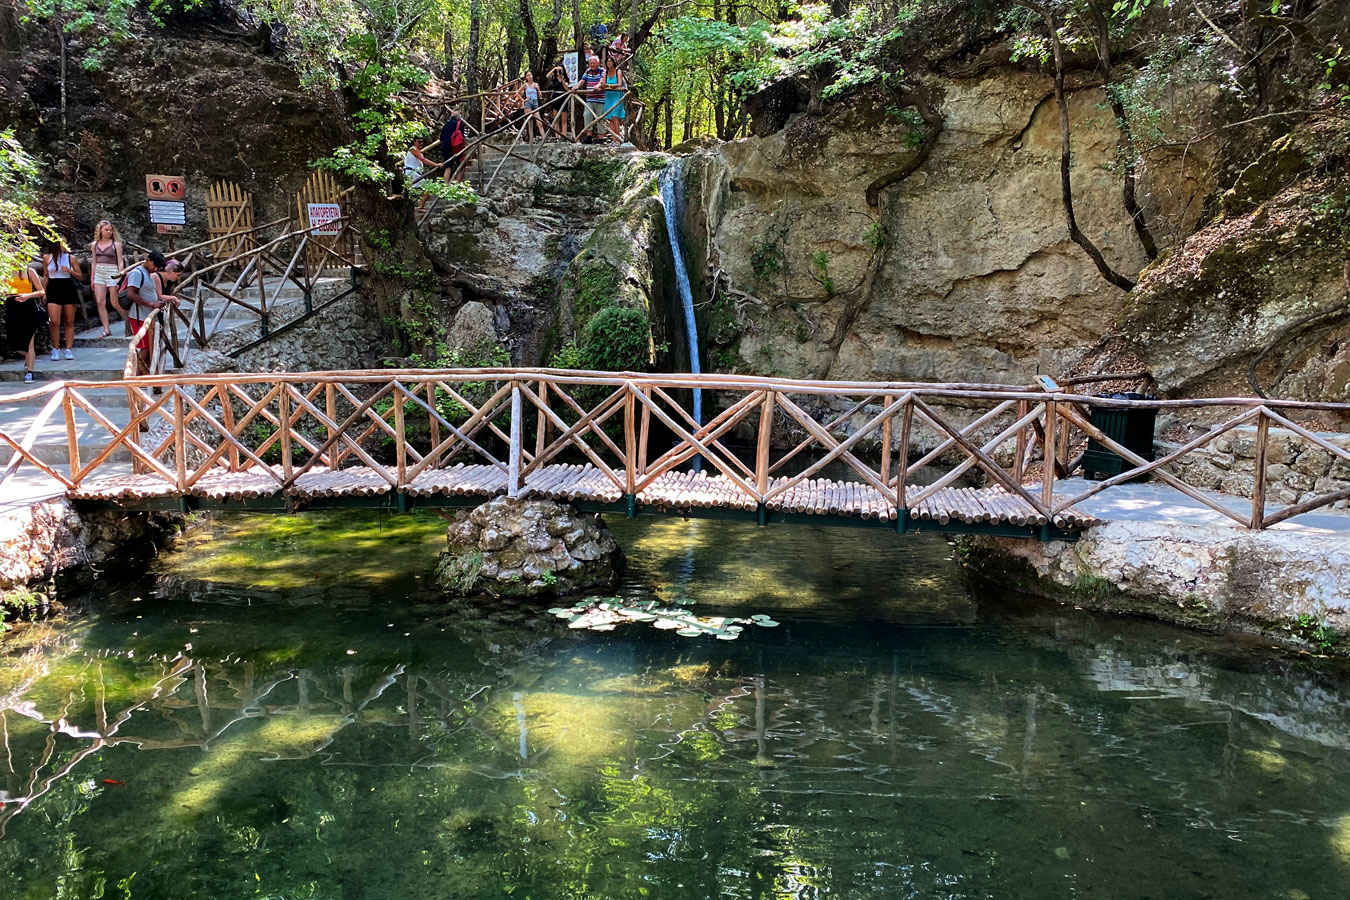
point(23, 315)
point(105, 255)
point(62, 273)
point(454, 139)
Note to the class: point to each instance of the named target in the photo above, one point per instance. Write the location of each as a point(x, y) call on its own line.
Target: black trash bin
point(1131, 428)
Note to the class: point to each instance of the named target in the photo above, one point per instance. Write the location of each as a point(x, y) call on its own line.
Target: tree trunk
point(448, 43)
point(61, 39)
point(474, 114)
point(670, 120)
point(1065, 152)
point(514, 53)
point(579, 35)
point(632, 21)
point(1102, 39)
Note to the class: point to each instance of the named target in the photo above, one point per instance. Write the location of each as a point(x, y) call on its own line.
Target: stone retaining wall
point(1296, 469)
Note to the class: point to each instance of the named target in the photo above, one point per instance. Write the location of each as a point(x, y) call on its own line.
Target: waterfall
point(672, 187)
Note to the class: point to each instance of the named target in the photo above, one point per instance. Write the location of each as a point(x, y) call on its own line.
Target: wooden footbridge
point(901, 456)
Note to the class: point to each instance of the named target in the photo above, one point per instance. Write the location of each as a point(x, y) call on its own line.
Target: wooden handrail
point(321, 421)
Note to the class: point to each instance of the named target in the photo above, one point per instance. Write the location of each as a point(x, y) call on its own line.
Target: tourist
point(168, 278)
point(618, 49)
point(105, 256)
point(529, 95)
point(454, 141)
point(615, 89)
point(143, 298)
point(592, 83)
point(23, 315)
point(414, 163)
point(558, 93)
point(63, 293)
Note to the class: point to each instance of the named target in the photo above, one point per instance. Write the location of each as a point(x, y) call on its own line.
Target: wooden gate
point(229, 219)
point(321, 188)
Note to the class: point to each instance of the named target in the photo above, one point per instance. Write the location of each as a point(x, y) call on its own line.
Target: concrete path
point(1153, 501)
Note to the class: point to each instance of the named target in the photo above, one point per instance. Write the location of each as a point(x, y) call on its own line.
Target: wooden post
point(902, 460)
point(541, 423)
point(433, 424)
point(644, 431)
point(513, 479)
point(1259, 472)
point(629, 441)
point(886, 441)
point(400, 440)
point(330, 404)
point(72, 439)
point(1049, 443)
point(284, 418)
point(227, 419)
point(1023, 407)
point(762, 450)
point(179, 439)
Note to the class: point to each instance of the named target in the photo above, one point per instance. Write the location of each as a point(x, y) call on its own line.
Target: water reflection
point(396, 748)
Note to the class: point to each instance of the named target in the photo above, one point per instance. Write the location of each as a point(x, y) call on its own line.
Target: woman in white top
point(530, 98)
point(105, 255)
point(413, 163)
point(61, 271)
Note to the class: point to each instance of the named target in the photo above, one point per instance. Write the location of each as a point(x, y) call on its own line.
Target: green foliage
point(597, 286)
point(766, 256)
point(820, 271)
point(460, 572)
point(22, 602)
point(618, 339)
point(567, 357)
point(99, 23)
point(20, 221)
point(874, 236)
point(1314, 630)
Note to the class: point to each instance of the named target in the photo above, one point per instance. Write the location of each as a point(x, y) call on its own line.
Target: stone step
point(89, 364)
point(51, 446)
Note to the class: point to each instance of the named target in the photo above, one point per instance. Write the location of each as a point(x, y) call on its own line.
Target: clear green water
point(291, 715)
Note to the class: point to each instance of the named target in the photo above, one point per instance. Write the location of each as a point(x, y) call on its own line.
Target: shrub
point(617, 339)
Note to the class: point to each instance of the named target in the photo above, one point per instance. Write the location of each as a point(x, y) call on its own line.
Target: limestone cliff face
point(843, 246)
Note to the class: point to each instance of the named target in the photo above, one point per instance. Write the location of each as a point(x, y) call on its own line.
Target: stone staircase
point(99, 358)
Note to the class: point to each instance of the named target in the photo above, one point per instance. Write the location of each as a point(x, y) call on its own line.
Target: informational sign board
point(570, 64)
point(168, 212)
point(323, 218)
point(169, 229)
point(165, 187)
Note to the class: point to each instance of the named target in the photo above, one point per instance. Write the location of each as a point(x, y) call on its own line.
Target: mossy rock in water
point(511, 547)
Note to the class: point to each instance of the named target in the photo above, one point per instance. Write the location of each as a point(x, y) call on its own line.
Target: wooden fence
point(777, 445)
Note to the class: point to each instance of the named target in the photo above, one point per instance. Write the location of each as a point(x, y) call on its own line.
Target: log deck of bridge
point(622, 443)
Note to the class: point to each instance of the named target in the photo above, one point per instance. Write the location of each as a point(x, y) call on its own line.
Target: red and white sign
point(165, 187)
point(323, 218)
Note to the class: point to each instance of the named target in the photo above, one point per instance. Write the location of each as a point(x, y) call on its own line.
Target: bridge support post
point(513, 463)
point(402, 501)
point(309, 303)
point(763, 514)
point(630, 505)
point(901, 520)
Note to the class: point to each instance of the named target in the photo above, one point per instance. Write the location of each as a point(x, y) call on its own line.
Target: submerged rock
point(528, 548)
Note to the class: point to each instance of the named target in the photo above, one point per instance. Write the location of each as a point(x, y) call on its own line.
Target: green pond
point(285, 708)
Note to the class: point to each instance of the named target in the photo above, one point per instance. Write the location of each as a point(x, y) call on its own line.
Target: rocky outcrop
point(556, 240)
point(856, 245)
point(1282, 583)
point(49, 543)
point(1262, 293)
point(528, 548)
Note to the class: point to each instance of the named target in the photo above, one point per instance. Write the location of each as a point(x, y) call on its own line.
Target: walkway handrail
point(520, 427)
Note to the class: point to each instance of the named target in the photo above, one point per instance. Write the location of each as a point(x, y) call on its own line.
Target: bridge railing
point(774, 443)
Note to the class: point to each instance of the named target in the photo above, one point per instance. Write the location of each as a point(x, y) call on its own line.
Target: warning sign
point(165, 187)
point(323, 218)
point(168, 212)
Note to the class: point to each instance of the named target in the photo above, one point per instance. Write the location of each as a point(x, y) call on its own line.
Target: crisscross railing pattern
point(894, 452)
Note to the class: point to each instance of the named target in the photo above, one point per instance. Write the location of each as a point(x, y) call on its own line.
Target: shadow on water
point(302, 722)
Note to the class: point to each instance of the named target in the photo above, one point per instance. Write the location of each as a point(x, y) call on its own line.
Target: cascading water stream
point(672, 186)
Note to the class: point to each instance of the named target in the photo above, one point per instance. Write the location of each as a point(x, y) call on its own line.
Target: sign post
point(168, 211)
point(323, 218)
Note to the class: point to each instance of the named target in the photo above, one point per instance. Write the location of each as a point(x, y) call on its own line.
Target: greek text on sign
point(165, 187)
point(323, 218)
point(168, 212)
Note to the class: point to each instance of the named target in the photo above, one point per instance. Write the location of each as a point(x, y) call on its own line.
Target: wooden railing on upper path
point(624, 438)
point(268, 259)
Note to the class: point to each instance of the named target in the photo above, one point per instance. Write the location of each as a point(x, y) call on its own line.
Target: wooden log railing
point(776, 444)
